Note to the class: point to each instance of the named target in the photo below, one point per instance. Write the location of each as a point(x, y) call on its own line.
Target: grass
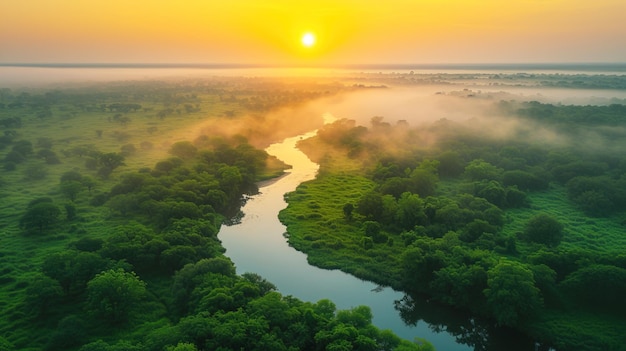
point(602, 235)
point(317, 226)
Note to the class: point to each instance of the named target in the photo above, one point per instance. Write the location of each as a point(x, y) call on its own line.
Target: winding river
point(257, 244)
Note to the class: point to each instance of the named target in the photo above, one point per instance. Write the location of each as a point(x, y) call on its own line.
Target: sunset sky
point(346, 31)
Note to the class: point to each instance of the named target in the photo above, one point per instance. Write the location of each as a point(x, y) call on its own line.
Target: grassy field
point(602, 235)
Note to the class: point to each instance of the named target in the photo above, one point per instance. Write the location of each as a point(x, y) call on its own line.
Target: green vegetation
point(523, 231)
point(112, 197)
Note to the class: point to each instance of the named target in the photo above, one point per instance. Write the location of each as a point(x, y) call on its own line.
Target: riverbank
point(393, 221)
point(257, 244)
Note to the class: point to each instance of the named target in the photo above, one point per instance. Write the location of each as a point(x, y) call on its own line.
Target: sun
point(308, 39)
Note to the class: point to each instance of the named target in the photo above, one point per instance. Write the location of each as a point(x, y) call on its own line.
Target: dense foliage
point(113, 245)
point(505, 228)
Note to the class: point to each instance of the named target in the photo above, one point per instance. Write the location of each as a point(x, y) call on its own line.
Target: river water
point(257, 244)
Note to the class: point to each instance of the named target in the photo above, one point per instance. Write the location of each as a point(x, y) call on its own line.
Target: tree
point(113, 294)
point(41, 293)
point(373, 230)
point(71, 188)
point(109, 162)
point(181, 346)
point(35, 172)
point(40, 216)
point(49, 156)
point(524, 180)
point(183, 149)
point(88, 182)
point(450, 164)
point(424, 179)
point(511, 294)
point(598, 286)
point(370, 205)
point(71, 331)
point(481, 170)
point(410, 211)
point(73, 269)
point(544, 229)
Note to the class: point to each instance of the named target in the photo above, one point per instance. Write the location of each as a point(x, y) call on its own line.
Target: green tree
point(450, 164)
point(545, 229)
point(73, 269)
point(71, 188)
point(108, 162)
point(370, 205)
point(42, 292)
point(511, 294)
point(479, 169)
point(410, 211)
point(598, 286)
point(40, 216)
point(71, 176)
point(113, 294)
point(70, 332)
point(424, 178)
point(182, 346)
point(183, 149)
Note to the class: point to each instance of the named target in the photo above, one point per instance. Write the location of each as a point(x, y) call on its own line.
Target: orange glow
point(347, 31)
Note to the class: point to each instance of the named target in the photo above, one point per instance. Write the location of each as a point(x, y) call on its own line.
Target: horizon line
point(621, 66)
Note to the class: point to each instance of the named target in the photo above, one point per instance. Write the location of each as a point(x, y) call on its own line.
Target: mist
point(473, 109)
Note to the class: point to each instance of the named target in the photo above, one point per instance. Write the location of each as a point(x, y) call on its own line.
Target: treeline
point(432, 221)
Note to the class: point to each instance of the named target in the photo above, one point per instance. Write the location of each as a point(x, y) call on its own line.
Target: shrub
point(544, 229)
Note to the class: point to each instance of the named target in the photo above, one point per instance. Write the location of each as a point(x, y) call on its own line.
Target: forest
point(113, 194)
point(522, 230)
point(112, 197)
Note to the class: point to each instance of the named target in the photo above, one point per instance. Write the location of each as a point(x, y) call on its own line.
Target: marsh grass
point(317, 226)
point(602, 235)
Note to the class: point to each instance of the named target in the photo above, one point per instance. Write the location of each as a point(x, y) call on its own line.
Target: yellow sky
point(347, 31)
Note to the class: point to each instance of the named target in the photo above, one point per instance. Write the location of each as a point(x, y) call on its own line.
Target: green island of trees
point(522, 231)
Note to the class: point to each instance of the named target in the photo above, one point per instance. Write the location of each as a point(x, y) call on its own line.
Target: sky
point(346, 31)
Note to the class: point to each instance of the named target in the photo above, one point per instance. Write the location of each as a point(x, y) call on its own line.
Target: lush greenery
point(516, 218)
point(113, 195)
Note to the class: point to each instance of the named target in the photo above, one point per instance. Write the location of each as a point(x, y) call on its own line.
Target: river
point(257, 244)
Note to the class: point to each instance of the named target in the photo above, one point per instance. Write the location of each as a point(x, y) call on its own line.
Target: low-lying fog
point(475, 110)
point(428, 103)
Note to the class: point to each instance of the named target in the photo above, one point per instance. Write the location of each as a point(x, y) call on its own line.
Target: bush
point(544, 229)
